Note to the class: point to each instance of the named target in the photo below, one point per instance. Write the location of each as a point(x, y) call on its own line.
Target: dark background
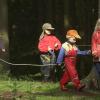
point(25, 19)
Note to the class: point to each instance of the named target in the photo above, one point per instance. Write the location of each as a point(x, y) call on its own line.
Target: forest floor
point(35, 90)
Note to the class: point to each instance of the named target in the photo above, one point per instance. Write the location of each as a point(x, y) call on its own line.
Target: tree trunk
point(93, 80)
point(3, 36)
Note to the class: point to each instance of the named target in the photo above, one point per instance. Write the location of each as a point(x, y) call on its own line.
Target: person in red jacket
point(96, 48)
point(69, 52)
point(48, 45)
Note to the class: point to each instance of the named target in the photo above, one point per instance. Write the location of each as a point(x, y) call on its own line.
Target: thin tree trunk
point(3, 35)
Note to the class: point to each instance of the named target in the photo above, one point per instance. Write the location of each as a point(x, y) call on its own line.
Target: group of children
point(68, 51)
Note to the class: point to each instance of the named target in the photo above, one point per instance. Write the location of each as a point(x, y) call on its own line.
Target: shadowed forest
point(20, 27)
point(23, 21)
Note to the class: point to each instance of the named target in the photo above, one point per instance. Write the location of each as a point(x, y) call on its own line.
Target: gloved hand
point(88, 51)
point(49, 48)
point(56, 45)
point(95, 54)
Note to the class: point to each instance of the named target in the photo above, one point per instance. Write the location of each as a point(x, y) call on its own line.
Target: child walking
point(69, 52)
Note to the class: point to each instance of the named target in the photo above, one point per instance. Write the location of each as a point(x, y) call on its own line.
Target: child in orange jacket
point(69, 52)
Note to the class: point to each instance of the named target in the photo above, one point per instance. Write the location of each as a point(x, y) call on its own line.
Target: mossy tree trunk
point(92, 81)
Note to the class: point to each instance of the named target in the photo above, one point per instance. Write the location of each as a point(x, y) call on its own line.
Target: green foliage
point(66, 98)
point(13, 85)
point(43, 91)
point(29, 90)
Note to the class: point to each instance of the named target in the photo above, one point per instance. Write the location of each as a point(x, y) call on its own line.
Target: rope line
point(13, 64)
point(9, 63)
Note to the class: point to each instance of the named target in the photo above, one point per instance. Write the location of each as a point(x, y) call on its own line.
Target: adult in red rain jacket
point(48, 45)
point(96, 48)
point(68, 52)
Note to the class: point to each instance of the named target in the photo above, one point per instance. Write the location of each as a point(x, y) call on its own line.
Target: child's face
point(48, 32)
point(72, 39)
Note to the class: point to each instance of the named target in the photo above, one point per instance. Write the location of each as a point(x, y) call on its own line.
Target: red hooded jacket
point(48, 41)
point(96, 43)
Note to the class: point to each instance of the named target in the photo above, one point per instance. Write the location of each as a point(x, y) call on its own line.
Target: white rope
point(9, 63)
